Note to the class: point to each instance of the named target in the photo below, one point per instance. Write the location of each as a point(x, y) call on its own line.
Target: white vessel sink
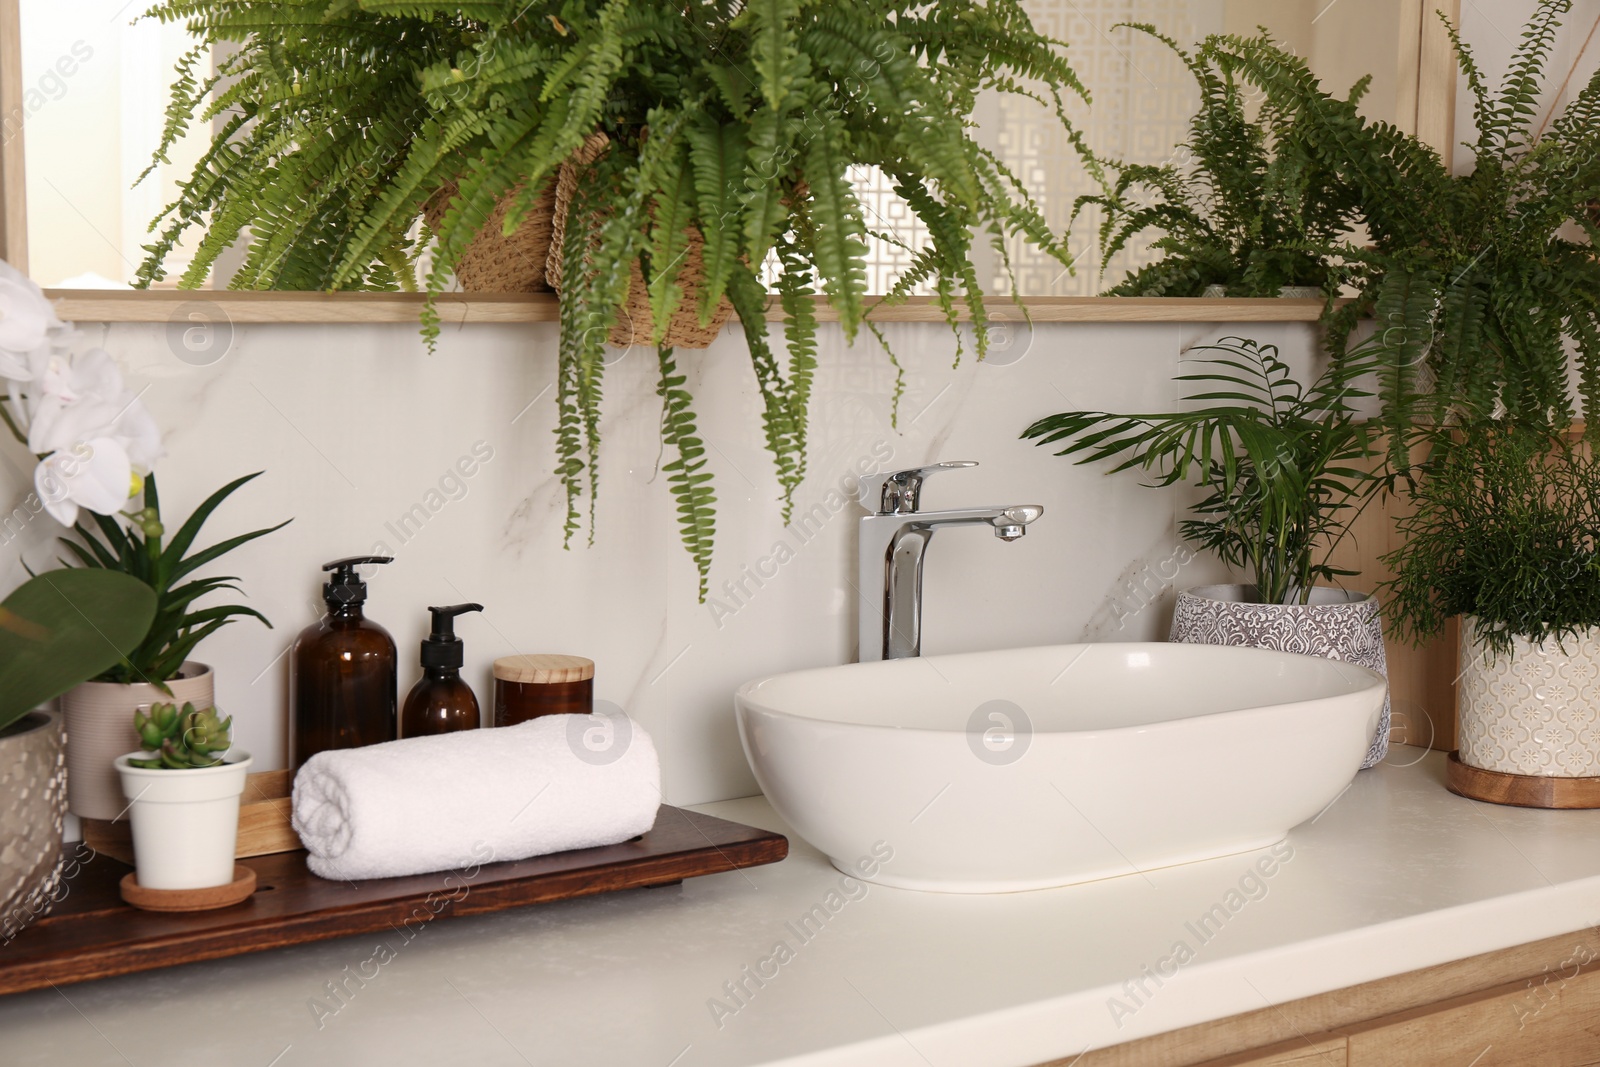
point(993, 772)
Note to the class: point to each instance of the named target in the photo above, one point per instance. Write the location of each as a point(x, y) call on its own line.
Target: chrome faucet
point(893, 543)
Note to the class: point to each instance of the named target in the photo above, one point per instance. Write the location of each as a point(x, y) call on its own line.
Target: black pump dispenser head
point(346, 586)
point(442, 648)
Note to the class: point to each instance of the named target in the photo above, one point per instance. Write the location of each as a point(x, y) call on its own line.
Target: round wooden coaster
point(217, 896)
point(1521, 790)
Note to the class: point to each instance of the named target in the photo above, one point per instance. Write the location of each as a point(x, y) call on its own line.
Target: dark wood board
point(91, 933)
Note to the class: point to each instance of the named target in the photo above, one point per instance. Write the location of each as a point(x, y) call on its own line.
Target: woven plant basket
point(495, 262)
point(634, 323)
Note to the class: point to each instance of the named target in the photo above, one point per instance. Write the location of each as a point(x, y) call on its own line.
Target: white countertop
point(1397, 874)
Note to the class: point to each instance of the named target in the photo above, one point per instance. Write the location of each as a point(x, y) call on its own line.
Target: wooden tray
point(91, 933)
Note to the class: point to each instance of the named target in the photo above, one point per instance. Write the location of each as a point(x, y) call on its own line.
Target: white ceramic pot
point(185, 823)
point(1336, 624)
point(33, 793)
point(1535, 712)
point(99, 718)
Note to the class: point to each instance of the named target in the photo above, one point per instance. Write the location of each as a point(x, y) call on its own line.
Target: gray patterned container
point(1336, 625)
point(33, 798)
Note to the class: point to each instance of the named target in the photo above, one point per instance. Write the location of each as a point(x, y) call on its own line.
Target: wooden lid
point(543, 670)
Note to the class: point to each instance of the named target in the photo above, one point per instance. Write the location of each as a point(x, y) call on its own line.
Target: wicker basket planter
point(496, 262)
point(1335, 625)
point(634, 325)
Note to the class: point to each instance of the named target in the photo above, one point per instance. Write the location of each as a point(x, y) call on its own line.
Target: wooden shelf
point(212, 305)
point(93, 934)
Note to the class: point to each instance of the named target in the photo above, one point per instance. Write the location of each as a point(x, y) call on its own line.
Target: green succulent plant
point(181, 739)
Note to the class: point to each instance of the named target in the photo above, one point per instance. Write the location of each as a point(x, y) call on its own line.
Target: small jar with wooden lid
point(526, 687)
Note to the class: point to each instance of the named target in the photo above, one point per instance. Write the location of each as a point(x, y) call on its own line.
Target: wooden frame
point(1427, 92)
point(113, 305)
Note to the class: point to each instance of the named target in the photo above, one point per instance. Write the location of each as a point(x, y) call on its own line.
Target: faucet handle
point(900, 491)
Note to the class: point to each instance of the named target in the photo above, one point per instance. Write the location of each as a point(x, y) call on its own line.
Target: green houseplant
point(1244, 203)
point(1282, 468)
point(99, 711)
point(1280, 462)
point(183, 790)
point(56, 630)
point(1503, 536)
point(728, 133)
point(1479, 280)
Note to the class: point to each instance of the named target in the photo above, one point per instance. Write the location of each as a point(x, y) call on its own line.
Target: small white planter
point(99, 717)
point(185, 823)
point(1336, 624)
point(1535, 712)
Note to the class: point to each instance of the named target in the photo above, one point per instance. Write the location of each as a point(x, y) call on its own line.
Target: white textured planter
point(185, 823)
point(1535, 712)
point(99, 718)
point(1336, 624)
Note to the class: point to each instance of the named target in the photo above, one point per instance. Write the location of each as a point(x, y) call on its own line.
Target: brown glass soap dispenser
point(441, 702)
point(342, 687)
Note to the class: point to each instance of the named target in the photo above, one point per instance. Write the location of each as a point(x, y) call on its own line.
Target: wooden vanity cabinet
point(1535, 1005)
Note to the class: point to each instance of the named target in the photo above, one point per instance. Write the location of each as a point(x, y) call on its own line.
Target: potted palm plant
point(684, 159)
point(1244, 206)
point(1282, 467)
point(56, 630)
point(1503, 535)
point(183, 791)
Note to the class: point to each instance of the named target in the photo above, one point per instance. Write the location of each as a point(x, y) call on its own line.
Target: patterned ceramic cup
point(1336, 625)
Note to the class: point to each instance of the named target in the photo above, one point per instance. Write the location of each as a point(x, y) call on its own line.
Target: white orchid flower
point(93, 474)
point(93, 434)
point(84, 398)
point(26, 322)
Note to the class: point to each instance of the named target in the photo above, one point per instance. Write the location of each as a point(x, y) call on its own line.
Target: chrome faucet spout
point(894, 543)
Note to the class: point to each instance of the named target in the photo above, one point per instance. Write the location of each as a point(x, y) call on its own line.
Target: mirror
point(96, 77)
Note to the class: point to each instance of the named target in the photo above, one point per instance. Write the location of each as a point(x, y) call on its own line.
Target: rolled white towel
point(476, 796)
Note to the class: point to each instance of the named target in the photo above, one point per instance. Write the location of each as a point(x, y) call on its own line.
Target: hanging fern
point(691, 483)
point(734, 122)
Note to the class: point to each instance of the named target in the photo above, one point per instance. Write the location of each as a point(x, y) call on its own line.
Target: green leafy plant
point(736, 122)
point(1282, 464)
point(137, 550)
point(1504, 531)
point(64, 627)
point(1477, 281)
point(1244, 203)
point(181, 740)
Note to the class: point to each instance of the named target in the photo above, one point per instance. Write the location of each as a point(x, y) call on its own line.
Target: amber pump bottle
point(441, 702)
point(342, 686)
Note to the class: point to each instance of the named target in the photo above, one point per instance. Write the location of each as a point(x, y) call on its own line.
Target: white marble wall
point(357, 425)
